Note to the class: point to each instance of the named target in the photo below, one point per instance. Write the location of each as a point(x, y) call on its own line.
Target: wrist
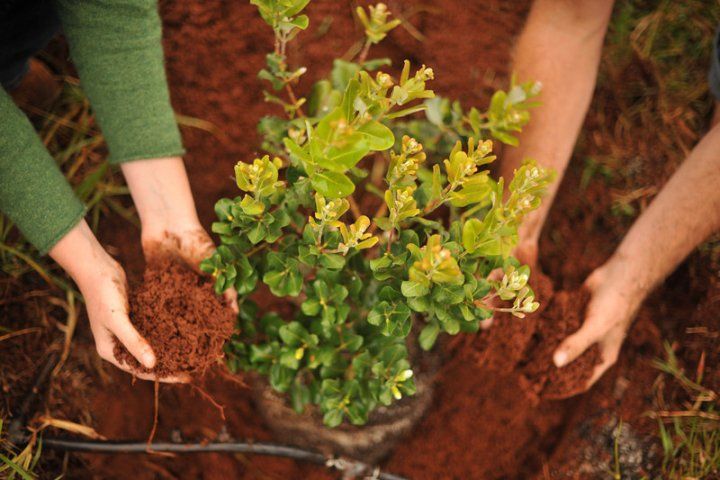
point(82, 257)
point(161, 193)
point(628, 276)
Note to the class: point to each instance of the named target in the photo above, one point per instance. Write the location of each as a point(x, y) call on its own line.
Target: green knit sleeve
point(116, 46)
point(33, 192)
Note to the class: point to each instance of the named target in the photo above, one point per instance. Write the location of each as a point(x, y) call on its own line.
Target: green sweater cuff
point(33, 192)
point(116, 46)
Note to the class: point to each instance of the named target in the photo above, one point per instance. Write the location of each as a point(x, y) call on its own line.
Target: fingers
point(527, 253)
point(106, 350)
point(230, 296)
point(138, 347)
point(196, 246)
point(574, 345)
point(610, 351)
point(183, 378)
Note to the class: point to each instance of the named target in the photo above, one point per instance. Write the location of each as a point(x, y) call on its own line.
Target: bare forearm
point(685, 213)
point(161, 193)
point(81, 255)
point(560, 47)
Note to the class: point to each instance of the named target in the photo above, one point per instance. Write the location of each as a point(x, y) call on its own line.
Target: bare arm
point(560, 47)
point(685, 213)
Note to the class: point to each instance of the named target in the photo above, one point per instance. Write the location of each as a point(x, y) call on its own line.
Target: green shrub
point(360, 284)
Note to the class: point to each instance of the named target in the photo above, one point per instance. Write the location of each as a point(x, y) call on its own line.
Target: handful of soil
point(179, 314)
point(564, 316)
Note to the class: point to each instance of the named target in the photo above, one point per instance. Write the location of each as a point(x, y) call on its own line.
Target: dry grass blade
point(68, 426)
point(18, 333)
point(68, 329)
point(686, 414)
point(204, 125)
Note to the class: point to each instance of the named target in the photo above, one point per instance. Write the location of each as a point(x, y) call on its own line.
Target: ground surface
point(486, 422)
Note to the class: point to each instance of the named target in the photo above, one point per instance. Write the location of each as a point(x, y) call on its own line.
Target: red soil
point(181, 317)
point(484, 424)
point(563, 317)
point(492, 418)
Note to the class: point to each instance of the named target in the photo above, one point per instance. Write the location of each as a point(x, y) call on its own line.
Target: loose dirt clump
point(178, 312)
point(527, 345)
point(563, 317)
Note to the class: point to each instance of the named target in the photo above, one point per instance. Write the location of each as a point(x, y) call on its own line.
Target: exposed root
point(210, 399)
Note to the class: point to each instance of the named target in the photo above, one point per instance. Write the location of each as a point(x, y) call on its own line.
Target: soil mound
point(178, 312)
point(564, 316)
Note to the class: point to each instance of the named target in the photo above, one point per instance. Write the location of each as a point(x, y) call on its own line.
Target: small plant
point(365, 283)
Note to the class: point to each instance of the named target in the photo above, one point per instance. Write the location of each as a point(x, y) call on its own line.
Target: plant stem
point(354, 208)
point(294, 100)
point(364, 52)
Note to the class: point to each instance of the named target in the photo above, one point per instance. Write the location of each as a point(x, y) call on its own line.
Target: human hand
point(170, 225)
point(102, 282)
point(189, 242)
point(615, 297)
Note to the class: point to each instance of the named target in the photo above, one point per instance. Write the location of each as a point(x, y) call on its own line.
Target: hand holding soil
point(102, 282)
point(181, 317)
point(609, 314)
point(189, 243)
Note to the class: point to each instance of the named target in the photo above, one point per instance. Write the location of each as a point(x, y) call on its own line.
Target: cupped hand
point(107, 306)
point(188, 242)
point(614, 300)
point(102, 282)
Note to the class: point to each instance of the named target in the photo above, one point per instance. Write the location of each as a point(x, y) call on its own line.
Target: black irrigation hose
point(16, 435)
point(103, 446)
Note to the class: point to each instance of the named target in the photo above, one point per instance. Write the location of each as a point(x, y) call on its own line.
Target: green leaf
point(16, 468)
point(378, 136)
point(301, 22)
point(428, 335)
point(348, 102)
point(333, 418)
point(310, 307)
point(289, 360)
point(332, 184)
point(281, 377)
point(472, 230)
point(296, 150)
point(448, 294)
point(342, 72)
point(299, 396)
point(342, 159)
point(283, 275)
point(257, 233)
point(294, 335)
point(296, 6)
point(332, 261)
point(505, 138)
point(392, 317)
point(413, 289)
point(251, 206)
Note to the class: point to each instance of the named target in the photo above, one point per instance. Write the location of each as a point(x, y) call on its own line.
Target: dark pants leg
point(714, 74)
point(26, 27)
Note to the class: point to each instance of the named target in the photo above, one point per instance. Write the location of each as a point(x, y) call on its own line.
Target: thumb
point(574, 345)
point(133, 341)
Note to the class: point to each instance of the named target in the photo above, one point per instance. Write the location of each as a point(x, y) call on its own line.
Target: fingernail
point(560, 358)
point(148, 359)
